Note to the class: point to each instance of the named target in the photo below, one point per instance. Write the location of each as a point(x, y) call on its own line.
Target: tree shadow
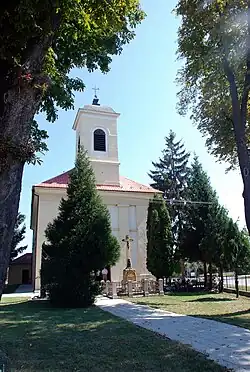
point(237, 318)
point(211, 338)
point(212, 299)
point(157, 305)
point(36, 337)
point(187, 294)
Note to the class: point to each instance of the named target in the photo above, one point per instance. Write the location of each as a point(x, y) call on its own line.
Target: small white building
point(127, 200)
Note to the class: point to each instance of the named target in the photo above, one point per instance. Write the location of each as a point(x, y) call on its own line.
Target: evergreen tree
point(200, 210)
point(219, 232)
point(160, 253)
point(19, 234)
point(170, 176)
point(79, 241)
point(171, 171)
point(212, 243)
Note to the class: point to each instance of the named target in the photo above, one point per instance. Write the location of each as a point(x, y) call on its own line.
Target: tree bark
point(236, 283)
point(205, 274)
point(239, 111)
point(10, 189)
point(21, 92)
point(221, 287)
point(210, 276)
point(19, 109)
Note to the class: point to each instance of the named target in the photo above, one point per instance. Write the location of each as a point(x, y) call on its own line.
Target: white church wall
point(132, 221)
point(106, 173)
point(128, 217)
point(114, 216)
point(133, 234)
point(47, 211)
point(141, 220)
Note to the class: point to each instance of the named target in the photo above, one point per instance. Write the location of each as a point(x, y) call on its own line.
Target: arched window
point(99, 140)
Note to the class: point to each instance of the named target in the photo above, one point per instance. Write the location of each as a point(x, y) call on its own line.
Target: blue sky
point(141, 87)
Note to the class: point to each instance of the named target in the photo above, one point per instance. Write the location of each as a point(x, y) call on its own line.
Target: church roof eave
point(93, 110)
point(126, 185)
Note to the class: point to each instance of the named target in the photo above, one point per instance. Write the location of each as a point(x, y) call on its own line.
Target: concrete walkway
point(226, 344)
point(23, 290)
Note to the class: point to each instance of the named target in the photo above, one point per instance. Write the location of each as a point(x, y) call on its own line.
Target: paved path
point(227, 344)
point(24, 290)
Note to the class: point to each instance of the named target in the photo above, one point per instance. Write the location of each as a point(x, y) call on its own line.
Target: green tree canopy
point(79, 241)
point(160, 252)
point(214, 45)
point(199, 195)
point(237, 248)
point(170, 176)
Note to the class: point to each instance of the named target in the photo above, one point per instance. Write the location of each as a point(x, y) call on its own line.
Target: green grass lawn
point(36, 337)
point(223, 307)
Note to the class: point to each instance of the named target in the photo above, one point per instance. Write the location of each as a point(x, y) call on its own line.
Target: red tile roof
point(25, 259)
point(126, 184)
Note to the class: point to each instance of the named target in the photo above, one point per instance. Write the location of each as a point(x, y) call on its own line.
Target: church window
point(99, 140)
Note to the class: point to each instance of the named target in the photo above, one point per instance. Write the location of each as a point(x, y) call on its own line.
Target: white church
point(127, 200)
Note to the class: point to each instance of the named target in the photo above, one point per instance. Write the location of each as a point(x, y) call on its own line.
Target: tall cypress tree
point(160, 253)
point(170, 175)
point(79, 241)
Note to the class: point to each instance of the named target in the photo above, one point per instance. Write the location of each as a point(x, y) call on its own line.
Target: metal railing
point(243, 280)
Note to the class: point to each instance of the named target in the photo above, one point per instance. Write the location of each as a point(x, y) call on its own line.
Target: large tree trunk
point(18, 110)
point(221, 286)
point(205, 274)
point(236, 283)
point(21, 91)
point(210, 276)
point(15, 123)
point(10, 188)
point(239, 111)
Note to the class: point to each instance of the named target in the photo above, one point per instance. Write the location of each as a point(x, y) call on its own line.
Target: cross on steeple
point(95, 100)
point(95, 89)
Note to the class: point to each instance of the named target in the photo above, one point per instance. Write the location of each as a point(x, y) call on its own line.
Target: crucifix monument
point(128, 273)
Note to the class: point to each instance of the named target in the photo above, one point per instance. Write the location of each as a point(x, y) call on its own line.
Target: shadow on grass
point(156, 305)
point(212, 299)
point(186, 294)
point(36, 337)
point(203, 335)
point(239, 318)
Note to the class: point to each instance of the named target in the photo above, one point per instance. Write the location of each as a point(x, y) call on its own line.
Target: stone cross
point(127, 240)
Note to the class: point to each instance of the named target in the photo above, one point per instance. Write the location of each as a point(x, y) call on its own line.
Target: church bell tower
point(96, 131)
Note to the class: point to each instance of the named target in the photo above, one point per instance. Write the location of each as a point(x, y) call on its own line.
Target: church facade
point(126, 200)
